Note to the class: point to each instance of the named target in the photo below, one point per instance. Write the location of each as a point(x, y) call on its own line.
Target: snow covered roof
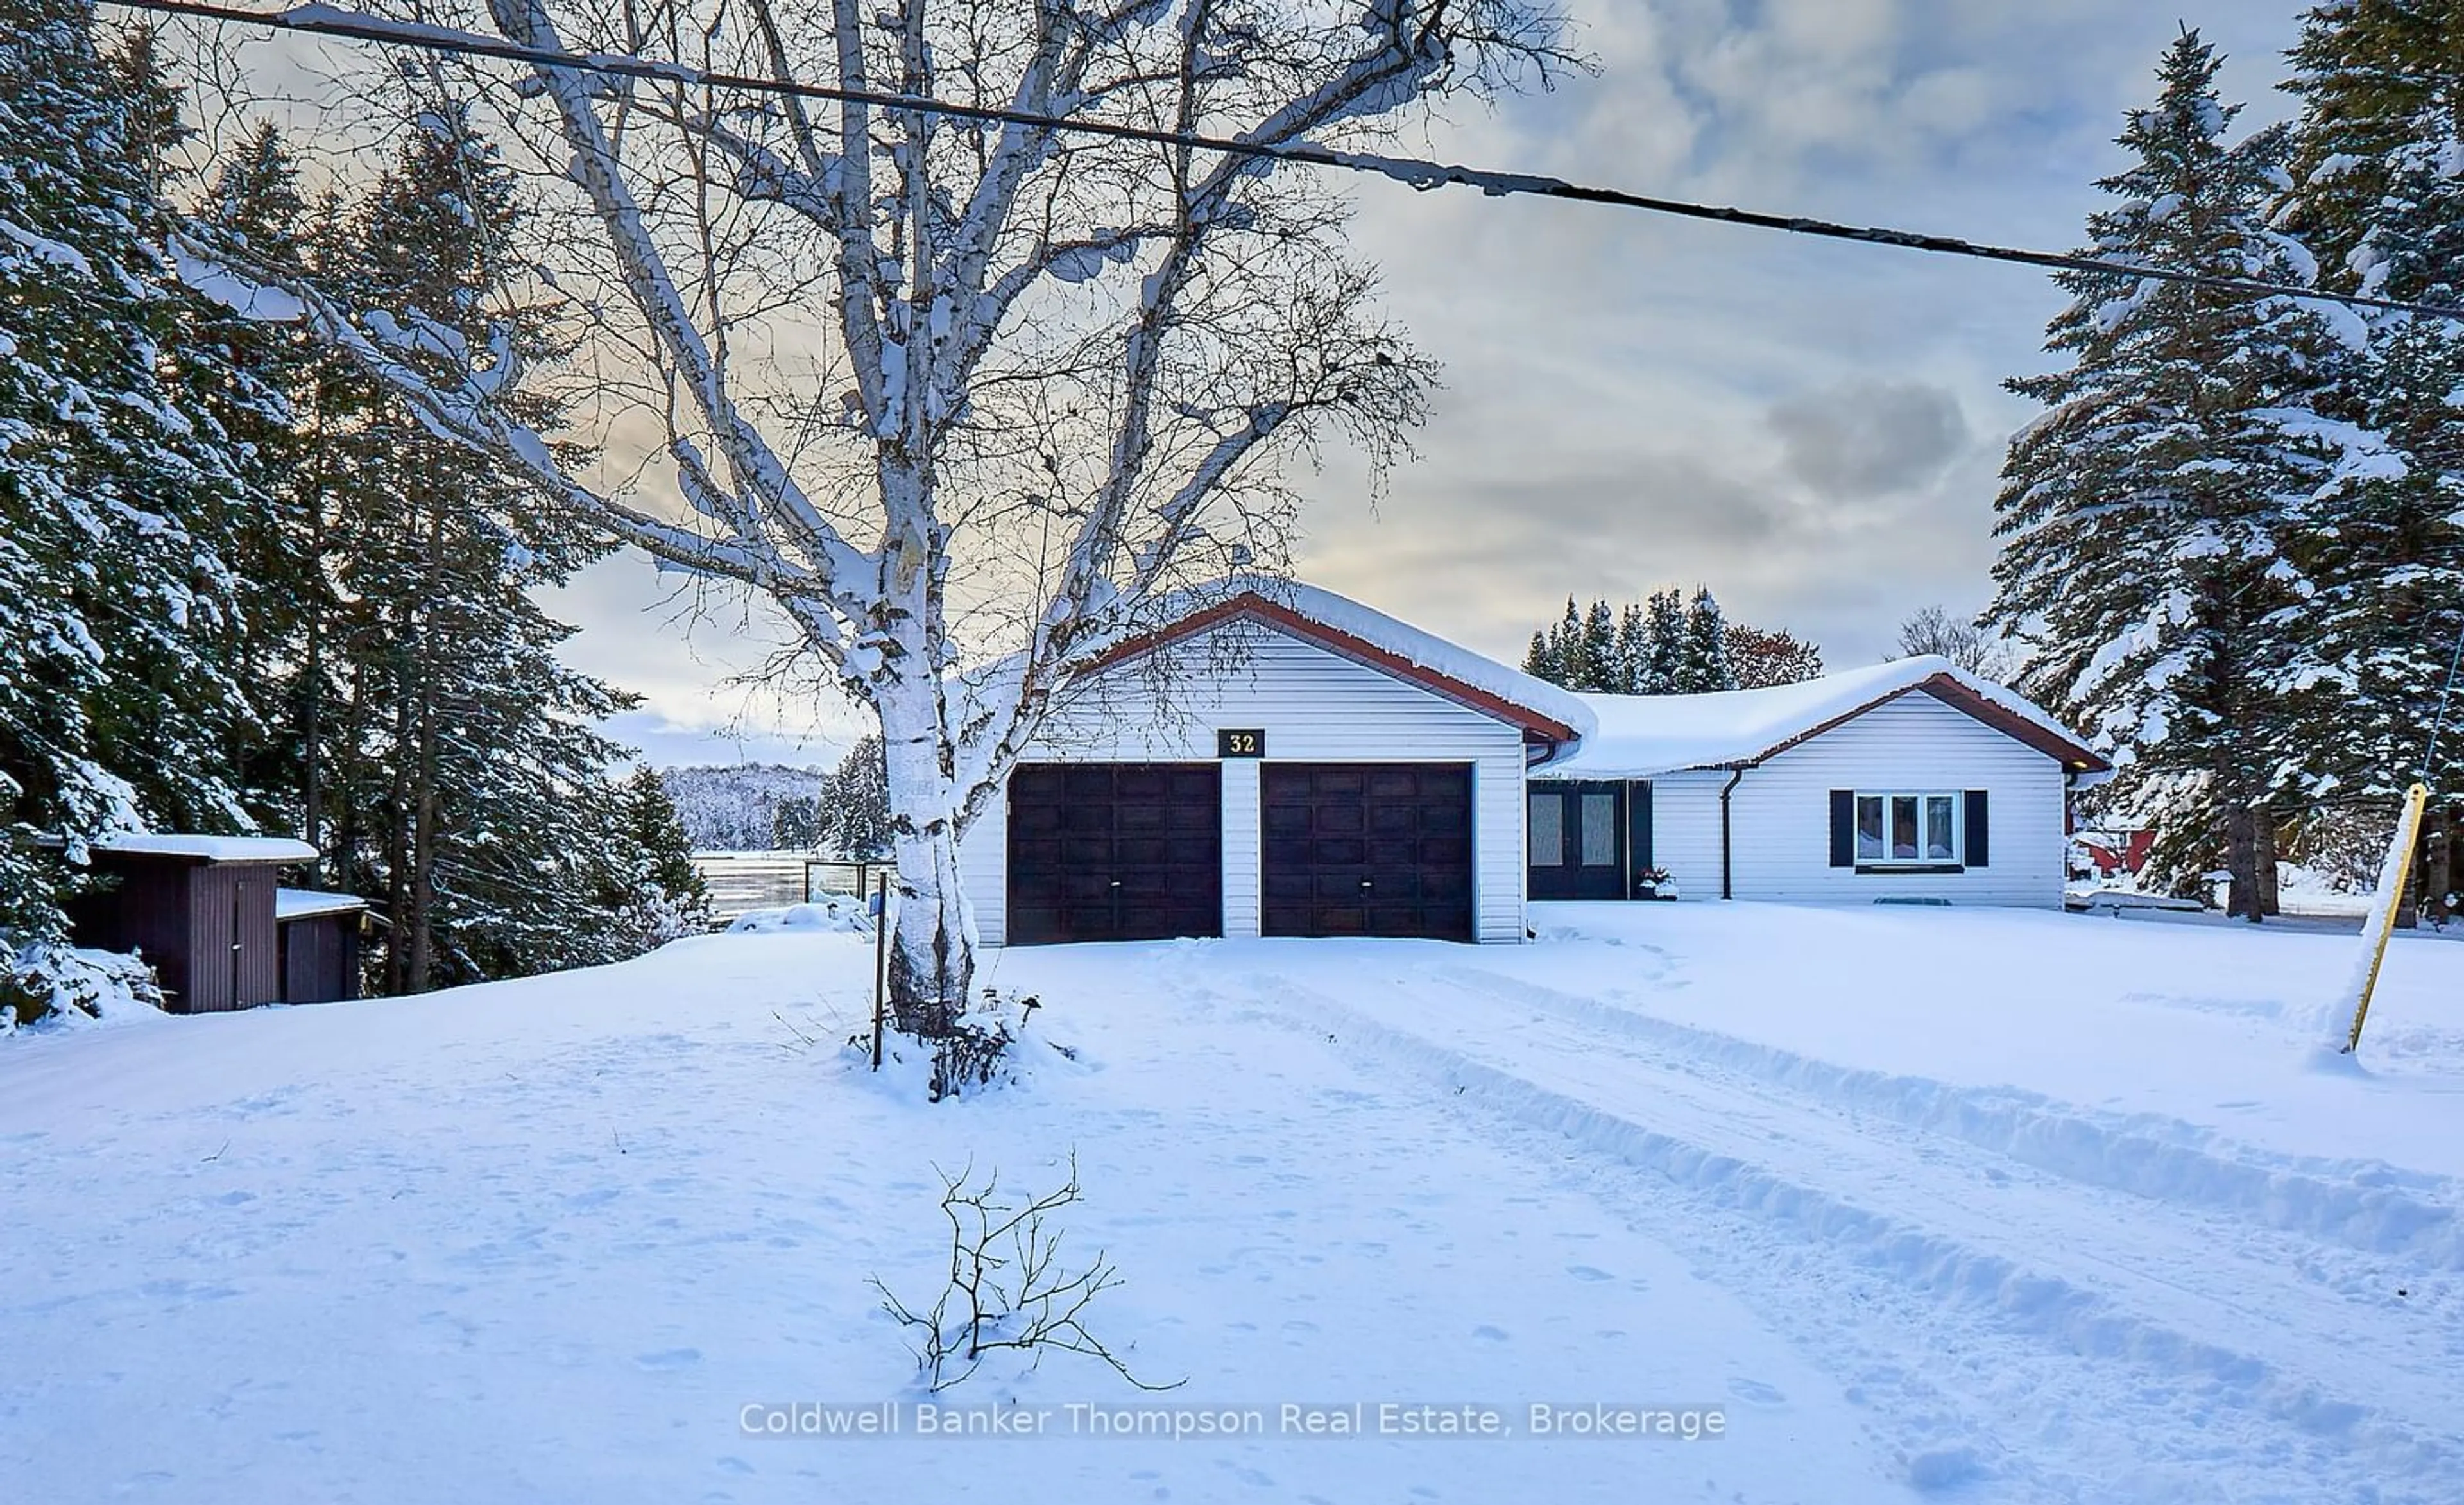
point(211, 849)
point(300, 904)
point(1637, 736)
point(1371, 636)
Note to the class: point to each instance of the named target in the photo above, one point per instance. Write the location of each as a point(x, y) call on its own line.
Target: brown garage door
point(1368, 850)
point(1115, 851)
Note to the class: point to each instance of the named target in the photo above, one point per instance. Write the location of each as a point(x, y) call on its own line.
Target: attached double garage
point(1134, 851)
point(1266, 769)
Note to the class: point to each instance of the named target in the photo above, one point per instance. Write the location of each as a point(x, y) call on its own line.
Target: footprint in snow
point(1495, 1335)
point(1757, 1392)
point(669, 1358)
point(1946, 1468)
point(1588, 1272)
point(735, 1466)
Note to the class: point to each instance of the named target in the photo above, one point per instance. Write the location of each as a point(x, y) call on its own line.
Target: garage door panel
point(1368, 850)
point(1114, 852)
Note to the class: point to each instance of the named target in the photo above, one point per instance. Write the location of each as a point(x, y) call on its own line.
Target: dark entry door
point(1115, 851)
point(1577, 833)
point(1368, 850)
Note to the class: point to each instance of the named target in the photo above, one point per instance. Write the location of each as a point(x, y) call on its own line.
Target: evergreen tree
point(858, 797)
point(1568, 649)
point(285, 407)
point(1663, 670)
point(466, 788)
point(1702, 666)
point(2378, 194)
point(1633, 648)
point(1540, 660)
point(117, 703)
point(654, 891)
point(2145, 515)
point(1599, 650)
point(796, 824)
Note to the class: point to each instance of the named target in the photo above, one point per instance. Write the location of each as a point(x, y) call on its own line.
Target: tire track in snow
point(2365, 1206)
point(2214, 1404)
point(2270, 1296)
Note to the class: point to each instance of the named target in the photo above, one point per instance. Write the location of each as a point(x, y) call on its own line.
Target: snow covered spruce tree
point(651, 888)
point(1702, 657)
point(1663, 669)
point(470, 792)
point(2378, 195)
point(855, 814)
point(2144, 516)
point(115, 703)
point(967, 400)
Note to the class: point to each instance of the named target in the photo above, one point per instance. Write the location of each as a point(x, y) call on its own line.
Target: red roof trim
point(2069, 752)
point(1251, 606)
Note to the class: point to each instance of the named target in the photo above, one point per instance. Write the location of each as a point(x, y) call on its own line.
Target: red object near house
point(2129, 854)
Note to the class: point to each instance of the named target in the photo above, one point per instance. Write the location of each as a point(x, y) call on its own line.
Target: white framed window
point(1907, 828)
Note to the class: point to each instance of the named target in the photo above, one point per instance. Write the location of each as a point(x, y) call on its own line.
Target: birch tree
point(968, 400)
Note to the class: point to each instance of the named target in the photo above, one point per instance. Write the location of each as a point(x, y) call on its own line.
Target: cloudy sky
point(1811, 429)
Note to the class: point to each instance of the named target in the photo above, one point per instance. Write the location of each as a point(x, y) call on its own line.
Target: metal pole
point(880, 964)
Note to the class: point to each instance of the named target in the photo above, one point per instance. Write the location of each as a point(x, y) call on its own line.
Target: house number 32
point(1247, 742)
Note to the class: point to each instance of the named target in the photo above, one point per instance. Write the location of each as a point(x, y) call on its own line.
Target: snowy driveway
point(2016, 1208)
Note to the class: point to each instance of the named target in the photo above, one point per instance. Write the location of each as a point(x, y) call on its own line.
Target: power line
point(325, 21)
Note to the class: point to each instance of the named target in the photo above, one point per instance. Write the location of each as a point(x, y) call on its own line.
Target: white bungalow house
point(1280, 761)
point(1277, 759)
point(1909, 780)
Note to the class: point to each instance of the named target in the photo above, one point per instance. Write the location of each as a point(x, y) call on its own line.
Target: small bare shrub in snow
point(1008, 1286)
point(980, 1051)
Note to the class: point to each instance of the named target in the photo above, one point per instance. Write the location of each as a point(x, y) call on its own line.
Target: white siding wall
point(1685, 830)
point(1315, 706)
point(1781, 812)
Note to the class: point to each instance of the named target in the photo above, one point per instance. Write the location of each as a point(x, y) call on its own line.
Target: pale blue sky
point(1811, 429)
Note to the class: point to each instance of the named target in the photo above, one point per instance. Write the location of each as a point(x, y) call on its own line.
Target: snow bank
point(76, 987)
point(845, 914)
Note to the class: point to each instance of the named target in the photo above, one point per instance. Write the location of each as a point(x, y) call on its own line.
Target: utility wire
point(325, 21)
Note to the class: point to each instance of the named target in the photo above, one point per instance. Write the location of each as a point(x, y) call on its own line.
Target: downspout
point(1726, 889)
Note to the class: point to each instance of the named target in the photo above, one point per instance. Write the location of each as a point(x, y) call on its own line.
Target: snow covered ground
point(1923, 1203)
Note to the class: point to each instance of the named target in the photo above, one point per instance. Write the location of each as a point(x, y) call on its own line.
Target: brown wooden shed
point(198, 909)
point(318, 935)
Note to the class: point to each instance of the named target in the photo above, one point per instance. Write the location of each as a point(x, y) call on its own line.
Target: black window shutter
point(1843, 828)
point(1976, 825)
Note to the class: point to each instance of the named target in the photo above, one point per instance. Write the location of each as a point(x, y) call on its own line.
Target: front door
point(1578, 841)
